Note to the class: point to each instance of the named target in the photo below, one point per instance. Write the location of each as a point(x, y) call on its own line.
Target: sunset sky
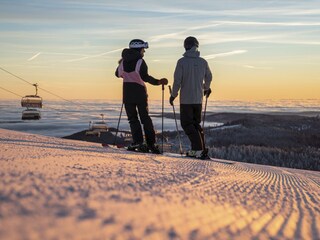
point(256, 49)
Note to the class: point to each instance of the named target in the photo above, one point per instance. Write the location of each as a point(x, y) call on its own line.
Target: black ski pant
point(132, 110)
point(190, 118)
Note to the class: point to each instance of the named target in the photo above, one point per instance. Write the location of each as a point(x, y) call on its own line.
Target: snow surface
point(52, 188)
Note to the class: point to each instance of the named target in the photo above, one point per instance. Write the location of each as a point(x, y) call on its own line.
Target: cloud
point(288, 41)
point(176, 35)
point(226, 54)
point(181, 34)
point(226, 35)
point(257, 23)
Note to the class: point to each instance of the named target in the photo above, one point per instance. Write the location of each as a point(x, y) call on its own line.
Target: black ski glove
point(207, 92)
point(163, 81)
point(171, 100)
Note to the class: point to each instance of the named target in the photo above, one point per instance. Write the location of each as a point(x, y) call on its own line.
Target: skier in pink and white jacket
point(134, 71)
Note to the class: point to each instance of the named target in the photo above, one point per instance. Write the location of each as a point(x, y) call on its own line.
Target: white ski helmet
point(138, 43)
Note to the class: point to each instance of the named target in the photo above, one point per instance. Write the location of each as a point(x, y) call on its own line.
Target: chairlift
point(31, 114)
point(96, 128)
point(33, 101)
point(100, 126)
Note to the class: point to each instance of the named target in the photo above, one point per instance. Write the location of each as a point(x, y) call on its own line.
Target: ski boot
point(154, 149)
point(143, 148)
point(200, 154)
point(133, 146)
point(204, 155)
point(138, 147)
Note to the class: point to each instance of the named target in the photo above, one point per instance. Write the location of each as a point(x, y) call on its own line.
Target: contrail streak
point(212, 56)
point(35, 56)
point(93, 56)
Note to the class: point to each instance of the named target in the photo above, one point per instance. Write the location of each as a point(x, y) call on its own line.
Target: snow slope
point(53, 188)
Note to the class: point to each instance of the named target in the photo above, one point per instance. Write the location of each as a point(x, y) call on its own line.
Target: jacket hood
point(193, 53)
point(130, 55)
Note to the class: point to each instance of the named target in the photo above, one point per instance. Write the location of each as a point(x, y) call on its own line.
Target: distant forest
point(279, 140)
point(308, 158)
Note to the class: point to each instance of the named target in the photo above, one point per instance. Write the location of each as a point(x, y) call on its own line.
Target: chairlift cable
point(59, 96)
point(38, 87)
point(45, 106)
point(10, 92)
point(28, 114)
point(15, 76)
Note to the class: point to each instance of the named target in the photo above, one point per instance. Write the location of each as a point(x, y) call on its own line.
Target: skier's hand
point(163, 81)
point(171, 100)
point(207, 92)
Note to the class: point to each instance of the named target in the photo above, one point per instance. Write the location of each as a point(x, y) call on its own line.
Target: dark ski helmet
point(138, 44)
point(190, 42)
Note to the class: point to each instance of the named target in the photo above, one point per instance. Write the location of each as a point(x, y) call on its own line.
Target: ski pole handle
point(170, 89)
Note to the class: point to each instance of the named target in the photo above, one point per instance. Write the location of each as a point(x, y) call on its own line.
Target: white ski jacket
point(192, 76)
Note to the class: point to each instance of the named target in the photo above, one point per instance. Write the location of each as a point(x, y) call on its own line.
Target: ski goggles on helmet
point(138, 44)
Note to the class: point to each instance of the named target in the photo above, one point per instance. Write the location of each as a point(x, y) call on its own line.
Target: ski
point(113, 146)
point(140, 149)
point(169, 154)
point(177, 155)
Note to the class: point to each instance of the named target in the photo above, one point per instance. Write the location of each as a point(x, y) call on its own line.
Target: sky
point(256, 49)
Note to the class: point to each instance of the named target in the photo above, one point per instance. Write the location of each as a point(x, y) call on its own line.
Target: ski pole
point(115, 137)
point(162, 112)
point(204, 113)
point(175, 118)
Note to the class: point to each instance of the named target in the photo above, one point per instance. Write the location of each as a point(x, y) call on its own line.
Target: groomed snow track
point(53, 188)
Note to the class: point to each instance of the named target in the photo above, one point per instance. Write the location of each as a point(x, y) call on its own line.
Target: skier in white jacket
point(192, 77)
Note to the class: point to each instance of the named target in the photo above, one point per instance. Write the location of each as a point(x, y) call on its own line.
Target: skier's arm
point(117, 72)
point(207, 78)
point(145, 76)
point(177, 80)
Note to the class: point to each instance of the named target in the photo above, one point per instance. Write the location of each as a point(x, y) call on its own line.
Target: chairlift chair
point(33, 101)
point(31, 114)
point(100, 126)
